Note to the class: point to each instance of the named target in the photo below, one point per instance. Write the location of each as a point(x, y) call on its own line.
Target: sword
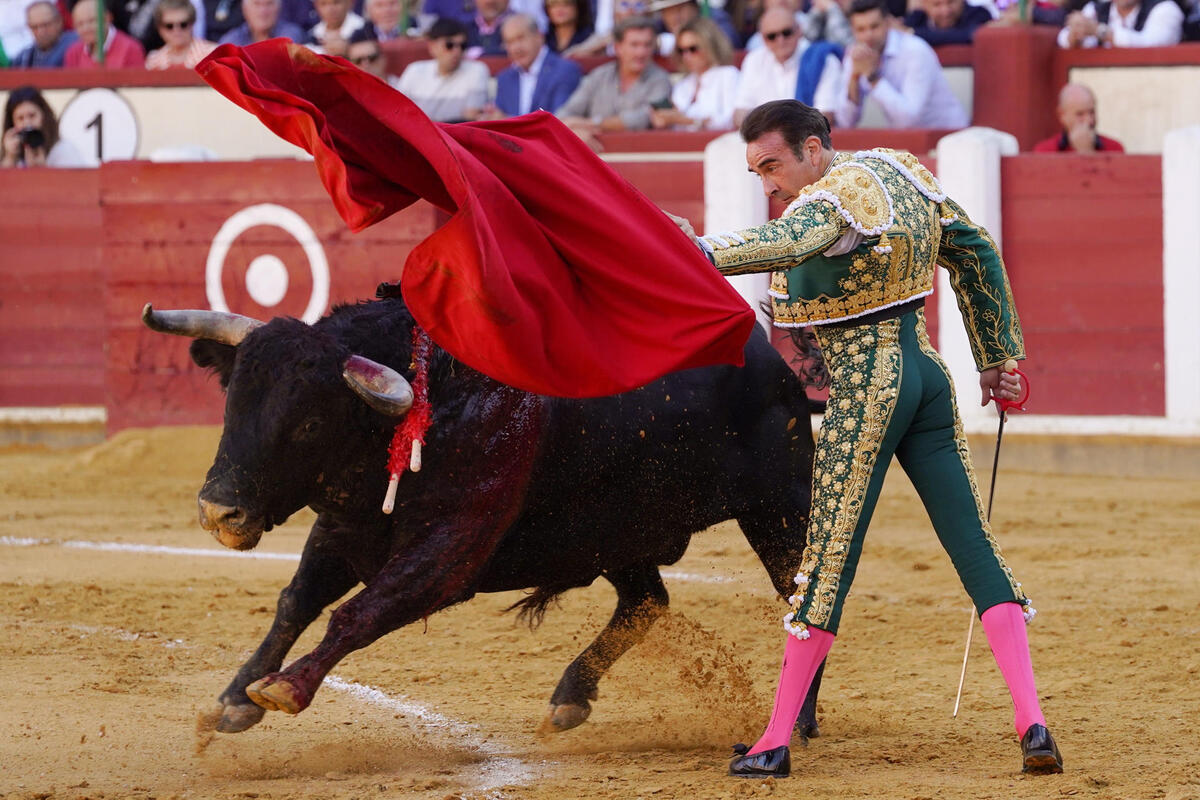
point(1010, 366)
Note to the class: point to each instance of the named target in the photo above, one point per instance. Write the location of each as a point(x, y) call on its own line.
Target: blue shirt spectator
point(537, 79)
point(262, 23)
point(947, 21)
point(50, 41)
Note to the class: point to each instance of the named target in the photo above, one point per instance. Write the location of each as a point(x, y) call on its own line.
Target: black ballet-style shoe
point(775, 763)
point(1039, 752)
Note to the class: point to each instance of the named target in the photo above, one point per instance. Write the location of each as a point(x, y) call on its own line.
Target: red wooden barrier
point(51, 304)
point(1083, 243)
point(159, 226)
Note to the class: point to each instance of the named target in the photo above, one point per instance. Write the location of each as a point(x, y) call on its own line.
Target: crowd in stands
point(727, 56)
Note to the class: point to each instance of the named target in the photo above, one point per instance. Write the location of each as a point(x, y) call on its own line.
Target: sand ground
point(109, 655)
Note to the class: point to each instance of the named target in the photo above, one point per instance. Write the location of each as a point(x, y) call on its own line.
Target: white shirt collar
point(535, 68)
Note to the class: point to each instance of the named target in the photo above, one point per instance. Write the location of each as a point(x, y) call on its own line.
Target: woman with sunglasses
point(175, 21)
point(704, 97)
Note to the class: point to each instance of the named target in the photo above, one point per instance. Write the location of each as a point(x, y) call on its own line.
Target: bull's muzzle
point(229, 525)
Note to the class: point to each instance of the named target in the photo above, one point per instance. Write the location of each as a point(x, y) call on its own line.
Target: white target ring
point(266, 276)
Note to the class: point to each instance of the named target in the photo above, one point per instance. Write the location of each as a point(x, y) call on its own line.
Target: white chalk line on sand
point(500, 768)
point(209, 552)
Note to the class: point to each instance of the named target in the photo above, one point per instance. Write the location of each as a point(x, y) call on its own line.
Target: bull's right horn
point(219, 326)
point(383, 388)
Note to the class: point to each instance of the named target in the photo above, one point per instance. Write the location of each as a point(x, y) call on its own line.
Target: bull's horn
point(220, 326)
point(384, 389)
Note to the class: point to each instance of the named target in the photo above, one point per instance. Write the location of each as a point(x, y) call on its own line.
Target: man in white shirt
point(771, 72)
point(1123, 23)
point(448, 88)
point(898, 71)
point(338, 23)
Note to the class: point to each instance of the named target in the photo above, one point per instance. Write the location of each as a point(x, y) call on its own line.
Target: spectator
point(338, 23)
point(570, 23)
point(31, 133)
point(899, 71)
point(221, 17)
point(1077, 116)
point(120, 49)
point(262, 23)
point(14, 30)
point(174, 20)
point(945, 21)
point(537, 79)
point(787, 67)
point(301, 13)
point(601, 40)
point(50, 41)
point(704, 97)
point(389, 19)
point(483, 32)
point(1149, 23)
point(620, 95)
point(676, 13)
point(141, 23)
point(364, 52)
point(447, 87)
point(824, 21)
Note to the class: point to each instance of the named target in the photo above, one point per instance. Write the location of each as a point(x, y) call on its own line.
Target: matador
point(854, 255)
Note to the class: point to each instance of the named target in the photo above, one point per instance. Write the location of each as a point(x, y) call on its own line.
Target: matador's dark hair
point(795, 120)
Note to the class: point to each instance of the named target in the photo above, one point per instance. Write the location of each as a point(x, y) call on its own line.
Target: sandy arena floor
point(109, 655)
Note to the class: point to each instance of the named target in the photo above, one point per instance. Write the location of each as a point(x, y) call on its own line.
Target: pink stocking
point(801, 658)
point(1005, 628)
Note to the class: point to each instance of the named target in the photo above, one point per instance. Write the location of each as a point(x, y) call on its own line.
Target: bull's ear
point(215, 357)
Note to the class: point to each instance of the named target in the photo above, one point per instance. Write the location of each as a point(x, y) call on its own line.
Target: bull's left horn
point(384, 389)
point(219, 326)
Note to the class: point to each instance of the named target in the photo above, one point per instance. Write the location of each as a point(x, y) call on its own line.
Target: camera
point(33, 137)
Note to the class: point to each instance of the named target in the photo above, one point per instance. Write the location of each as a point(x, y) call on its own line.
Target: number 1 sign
point(101, 124)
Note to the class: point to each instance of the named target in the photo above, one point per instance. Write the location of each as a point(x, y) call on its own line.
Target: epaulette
point(912, 169)
point(858, 195)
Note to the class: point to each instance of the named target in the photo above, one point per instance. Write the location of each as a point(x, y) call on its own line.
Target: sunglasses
point(687, 51)
point(367, 59)
point(175, 26)
point(786, 33)
point(455, 44)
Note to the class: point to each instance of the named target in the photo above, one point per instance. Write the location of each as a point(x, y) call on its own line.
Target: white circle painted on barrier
point(267, 280)
point(101, 124)
point(265, 276)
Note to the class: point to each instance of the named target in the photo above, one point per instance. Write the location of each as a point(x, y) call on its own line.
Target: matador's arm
point(779, 244)
point(981, 287)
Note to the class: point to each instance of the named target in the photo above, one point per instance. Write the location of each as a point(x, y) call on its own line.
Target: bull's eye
point(309, 430)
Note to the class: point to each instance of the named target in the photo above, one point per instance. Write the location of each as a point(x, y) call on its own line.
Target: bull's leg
point(320, 580)
point(778, 540)
point(641, 599)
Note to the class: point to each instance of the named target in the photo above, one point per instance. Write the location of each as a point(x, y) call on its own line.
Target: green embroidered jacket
point(869, 235)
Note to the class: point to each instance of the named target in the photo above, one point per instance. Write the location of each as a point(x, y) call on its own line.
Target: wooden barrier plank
point(1083, 241)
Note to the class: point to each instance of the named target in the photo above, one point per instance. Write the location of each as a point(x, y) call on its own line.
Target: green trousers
point(890, 394)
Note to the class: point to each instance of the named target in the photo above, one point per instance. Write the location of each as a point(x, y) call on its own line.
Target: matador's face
point(784, 173)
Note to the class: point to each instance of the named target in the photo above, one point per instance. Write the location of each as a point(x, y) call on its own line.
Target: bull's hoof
point(809, 730)
point(563, 717)
point(275, 696)
point(238, 718)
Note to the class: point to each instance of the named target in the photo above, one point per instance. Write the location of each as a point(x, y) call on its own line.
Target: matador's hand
point(998, 384)
point(683, 224)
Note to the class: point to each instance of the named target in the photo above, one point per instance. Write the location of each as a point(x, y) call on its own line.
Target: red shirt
point(1061, 144)
point(124, 51)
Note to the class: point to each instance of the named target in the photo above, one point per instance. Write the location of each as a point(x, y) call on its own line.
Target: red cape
point(553, 273)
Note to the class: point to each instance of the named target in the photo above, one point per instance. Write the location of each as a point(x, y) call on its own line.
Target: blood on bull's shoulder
point(517, 491)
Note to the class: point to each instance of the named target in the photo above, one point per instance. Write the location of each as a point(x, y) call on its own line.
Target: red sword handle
point(1003, 405)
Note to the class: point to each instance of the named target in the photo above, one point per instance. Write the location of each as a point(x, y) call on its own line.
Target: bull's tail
point(532, 607)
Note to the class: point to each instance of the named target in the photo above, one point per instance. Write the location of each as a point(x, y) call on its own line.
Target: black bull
point(517, 490)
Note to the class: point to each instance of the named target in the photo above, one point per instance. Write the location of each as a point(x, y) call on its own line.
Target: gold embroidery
point(782, 243)
point(864, 364)
point(964, 456)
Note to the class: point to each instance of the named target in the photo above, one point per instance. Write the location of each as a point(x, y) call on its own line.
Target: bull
point(518, 490)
